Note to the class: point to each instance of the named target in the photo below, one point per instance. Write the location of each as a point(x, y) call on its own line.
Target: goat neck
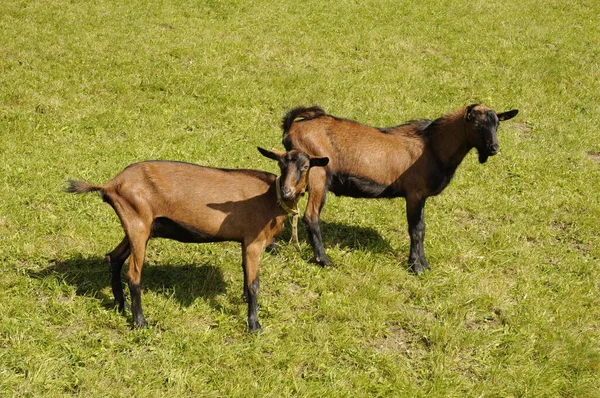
point(448, 139)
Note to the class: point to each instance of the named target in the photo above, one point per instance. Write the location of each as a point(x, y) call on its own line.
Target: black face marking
point(298, 162)
point(163, 227)
point(486, 124)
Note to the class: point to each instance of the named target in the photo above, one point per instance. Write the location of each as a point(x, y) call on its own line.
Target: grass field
point(512, 304)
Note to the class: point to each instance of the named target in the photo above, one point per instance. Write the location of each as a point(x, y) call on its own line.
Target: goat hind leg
point(115, 260)
point(245, 270)
point(138, 241)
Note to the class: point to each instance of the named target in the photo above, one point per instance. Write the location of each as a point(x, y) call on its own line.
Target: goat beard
point(483, 157)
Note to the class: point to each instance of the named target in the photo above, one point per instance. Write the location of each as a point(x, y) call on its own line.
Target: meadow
point(511, 306)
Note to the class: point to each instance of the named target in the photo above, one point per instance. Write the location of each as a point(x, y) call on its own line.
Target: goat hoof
point(323, 262)
point(419, 268)
point(140, 324)
point(254, 327)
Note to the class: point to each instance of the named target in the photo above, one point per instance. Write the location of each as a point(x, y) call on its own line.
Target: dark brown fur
point(192, 203)
point(413, 160)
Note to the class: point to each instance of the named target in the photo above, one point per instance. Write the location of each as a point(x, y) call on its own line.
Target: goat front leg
point(317, 192)
point(251, 262)
point(416, 230)
point(115, 260)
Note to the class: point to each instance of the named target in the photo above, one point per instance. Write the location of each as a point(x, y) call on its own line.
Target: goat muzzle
point(287, 193)
point(487, 152)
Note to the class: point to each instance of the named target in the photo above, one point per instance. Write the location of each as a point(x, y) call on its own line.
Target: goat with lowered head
point(192, 203)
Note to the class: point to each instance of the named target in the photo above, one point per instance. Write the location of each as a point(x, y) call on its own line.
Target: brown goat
point(413, 160)
point(191, 203)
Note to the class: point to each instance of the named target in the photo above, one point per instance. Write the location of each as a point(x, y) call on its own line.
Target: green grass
point(512, 304)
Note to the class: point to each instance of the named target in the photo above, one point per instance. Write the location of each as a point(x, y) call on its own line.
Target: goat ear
point(507, 115)
point(275, 155)
point(469, 112)
point(322, 162)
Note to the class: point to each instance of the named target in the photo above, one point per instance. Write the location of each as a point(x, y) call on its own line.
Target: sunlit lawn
point(511, 306)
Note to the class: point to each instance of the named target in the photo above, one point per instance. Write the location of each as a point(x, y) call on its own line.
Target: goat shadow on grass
point(346, 236)
point(185, 283)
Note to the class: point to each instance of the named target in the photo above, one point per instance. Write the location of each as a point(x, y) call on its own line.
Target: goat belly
point(164, 227)
point(360, 187)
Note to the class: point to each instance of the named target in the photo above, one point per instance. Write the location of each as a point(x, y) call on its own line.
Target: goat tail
point(74, 186)
point(300, 113)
